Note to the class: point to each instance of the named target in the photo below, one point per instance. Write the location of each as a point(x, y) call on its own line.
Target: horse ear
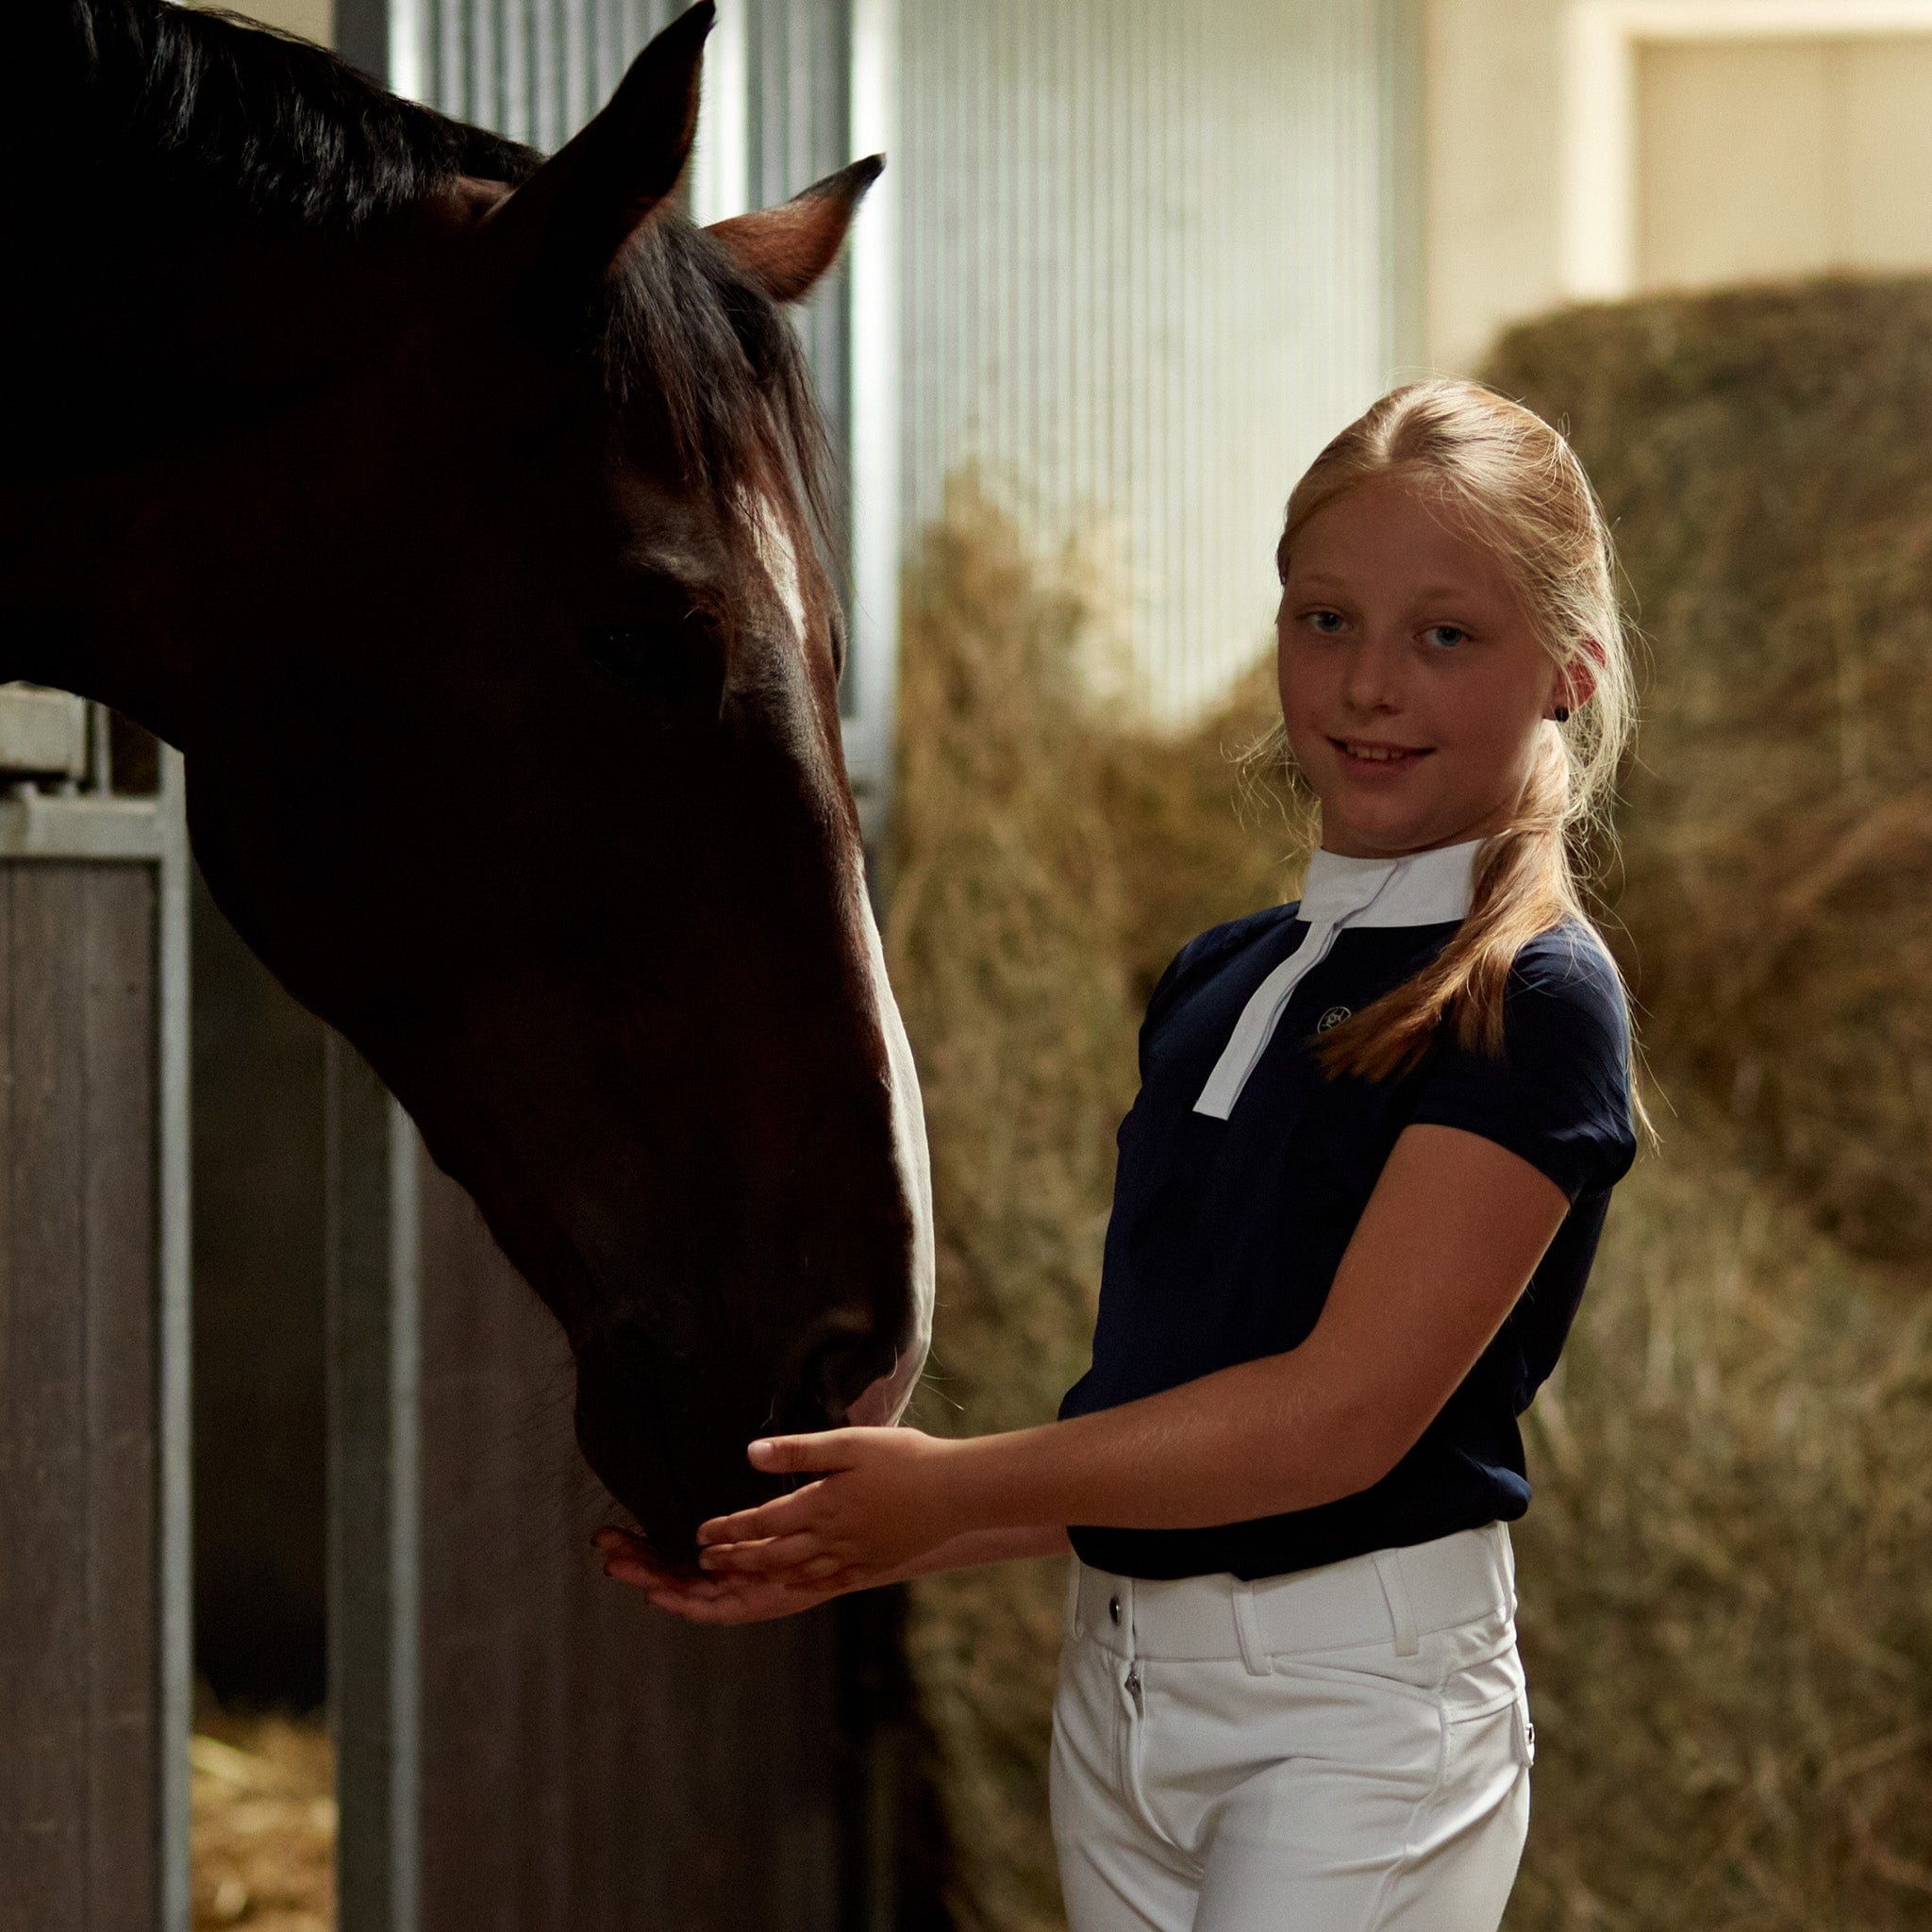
point(786, 249)
point(568, 222)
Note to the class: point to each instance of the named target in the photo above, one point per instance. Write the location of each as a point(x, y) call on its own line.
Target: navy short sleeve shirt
point(1226, 1233)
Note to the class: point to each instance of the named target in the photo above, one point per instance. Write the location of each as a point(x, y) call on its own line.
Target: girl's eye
point(1446, 635)
point(1323, 623)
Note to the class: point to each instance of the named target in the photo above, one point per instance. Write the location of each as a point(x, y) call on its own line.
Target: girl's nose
point(1372, 679)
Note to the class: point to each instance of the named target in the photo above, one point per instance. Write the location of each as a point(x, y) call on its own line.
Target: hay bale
point(1766, 458)
point(1724, 1616)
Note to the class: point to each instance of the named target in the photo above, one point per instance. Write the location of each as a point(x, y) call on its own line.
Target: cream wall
point(1736, 151)
point(1774, 158)
point(1492, 153)
point(314, 20)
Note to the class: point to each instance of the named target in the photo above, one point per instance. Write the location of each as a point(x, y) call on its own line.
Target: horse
point(461, 515)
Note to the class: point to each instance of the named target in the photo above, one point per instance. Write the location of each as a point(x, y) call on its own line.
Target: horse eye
point(677, 662)
point(840, 641)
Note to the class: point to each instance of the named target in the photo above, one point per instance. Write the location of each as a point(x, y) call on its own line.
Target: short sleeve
point(1558, 1095)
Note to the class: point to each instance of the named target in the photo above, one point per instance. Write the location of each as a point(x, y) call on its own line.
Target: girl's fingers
point(773, 1553)
point(823, 1449)
point(613, 1541)
point(699, 1609)
point(647, 1576)
point(769, 1519)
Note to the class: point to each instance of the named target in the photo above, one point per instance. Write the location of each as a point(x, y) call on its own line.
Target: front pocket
point(1482, 1749)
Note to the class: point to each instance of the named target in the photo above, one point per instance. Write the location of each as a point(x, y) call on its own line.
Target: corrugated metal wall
point(1153, 258)
point(534, 69)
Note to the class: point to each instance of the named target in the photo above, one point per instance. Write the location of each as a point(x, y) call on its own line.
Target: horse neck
point(128, 503)
point(197, 254)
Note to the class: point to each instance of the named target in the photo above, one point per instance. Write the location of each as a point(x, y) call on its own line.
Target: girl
point(1357, 1201)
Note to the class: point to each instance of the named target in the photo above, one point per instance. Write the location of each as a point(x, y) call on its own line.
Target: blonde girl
point(1357, 1201)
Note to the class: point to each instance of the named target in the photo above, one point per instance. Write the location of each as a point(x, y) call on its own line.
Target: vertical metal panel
point(92, 1660)
point(125, 1735)
point(375, 1515)
point(1146, 274)
point(43, 1624)
point(94, 1657)
point(174, 1328)
point(868, 700)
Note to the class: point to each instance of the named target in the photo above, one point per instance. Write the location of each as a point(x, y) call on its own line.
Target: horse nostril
point(841, 1370)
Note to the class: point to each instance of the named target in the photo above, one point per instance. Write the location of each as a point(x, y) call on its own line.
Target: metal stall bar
point(372, 1267)
point(94, 1467)
point(373, 1277)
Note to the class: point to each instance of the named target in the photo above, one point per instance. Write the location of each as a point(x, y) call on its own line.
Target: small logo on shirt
point(1333, 1017)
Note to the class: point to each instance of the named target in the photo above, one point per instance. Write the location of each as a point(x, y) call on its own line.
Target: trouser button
point(1113, 1608)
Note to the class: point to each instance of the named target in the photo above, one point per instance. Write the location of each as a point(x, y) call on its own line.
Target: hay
point(1766, 456)
point(264, 1822)
point(1728, 1639)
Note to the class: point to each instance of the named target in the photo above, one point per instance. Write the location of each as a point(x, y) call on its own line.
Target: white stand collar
point(1420, 889)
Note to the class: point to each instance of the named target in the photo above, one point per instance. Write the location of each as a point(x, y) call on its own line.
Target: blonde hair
point(1515, 483)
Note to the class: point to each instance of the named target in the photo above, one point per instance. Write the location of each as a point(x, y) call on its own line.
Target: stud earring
point(1562, 714)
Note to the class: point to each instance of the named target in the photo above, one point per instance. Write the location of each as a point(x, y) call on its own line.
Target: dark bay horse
point(460, 516)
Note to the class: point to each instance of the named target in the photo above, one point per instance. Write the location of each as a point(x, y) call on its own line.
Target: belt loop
point(1506, 1552)
point(1247, 1629)
point(1395, 1594)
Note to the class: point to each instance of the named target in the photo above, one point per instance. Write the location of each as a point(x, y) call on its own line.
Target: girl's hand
point(718, 1599)
point(883, 1500)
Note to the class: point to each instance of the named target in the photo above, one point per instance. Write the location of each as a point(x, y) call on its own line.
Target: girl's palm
point(742, 1597)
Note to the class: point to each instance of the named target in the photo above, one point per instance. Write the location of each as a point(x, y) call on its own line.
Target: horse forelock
point(694, 353)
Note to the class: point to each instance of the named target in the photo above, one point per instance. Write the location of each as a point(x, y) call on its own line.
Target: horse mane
point(195, 118)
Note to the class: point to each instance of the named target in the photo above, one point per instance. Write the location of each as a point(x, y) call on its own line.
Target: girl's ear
point(1576, 681)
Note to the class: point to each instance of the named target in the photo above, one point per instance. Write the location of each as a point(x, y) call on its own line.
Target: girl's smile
point(1373, 752)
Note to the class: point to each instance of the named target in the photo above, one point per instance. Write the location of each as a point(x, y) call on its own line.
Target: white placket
point(1268, 1001)
point(1417, 890)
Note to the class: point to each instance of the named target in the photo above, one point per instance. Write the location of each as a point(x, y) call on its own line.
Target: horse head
point(506, 689)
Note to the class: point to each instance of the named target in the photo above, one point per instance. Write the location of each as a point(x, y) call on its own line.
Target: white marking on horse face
point(885, 1402)
point(779, 559)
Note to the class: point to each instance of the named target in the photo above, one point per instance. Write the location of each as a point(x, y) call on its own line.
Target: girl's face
point(1412, 682)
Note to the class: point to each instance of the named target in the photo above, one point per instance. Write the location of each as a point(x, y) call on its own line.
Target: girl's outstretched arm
point(1450, 1238)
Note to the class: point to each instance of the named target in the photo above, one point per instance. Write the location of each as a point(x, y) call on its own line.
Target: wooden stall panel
point(587, 1763)
point(80, 1780)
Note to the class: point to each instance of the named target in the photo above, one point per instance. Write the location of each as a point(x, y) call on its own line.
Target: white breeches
point(1344, 1749)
